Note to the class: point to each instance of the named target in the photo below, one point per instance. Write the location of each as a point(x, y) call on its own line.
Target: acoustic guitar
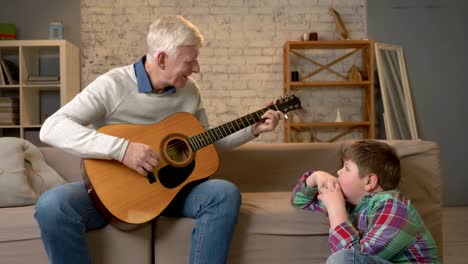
point(126, 199)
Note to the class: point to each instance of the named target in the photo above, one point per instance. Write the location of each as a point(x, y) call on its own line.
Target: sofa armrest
point(421, 181)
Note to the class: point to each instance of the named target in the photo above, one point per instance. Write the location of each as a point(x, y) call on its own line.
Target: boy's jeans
point(351, 256)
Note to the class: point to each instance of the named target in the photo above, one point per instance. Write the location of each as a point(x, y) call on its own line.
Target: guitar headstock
point(289, 103)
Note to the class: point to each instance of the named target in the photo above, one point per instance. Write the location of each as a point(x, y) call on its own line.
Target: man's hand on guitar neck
point(270, 120)
point(140, 157)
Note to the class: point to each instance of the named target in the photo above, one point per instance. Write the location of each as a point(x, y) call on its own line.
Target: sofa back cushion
point(24, 174)
point(66, 164)
point(275, 167)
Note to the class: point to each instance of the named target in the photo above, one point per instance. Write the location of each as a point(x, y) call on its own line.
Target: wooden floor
point(455, 235)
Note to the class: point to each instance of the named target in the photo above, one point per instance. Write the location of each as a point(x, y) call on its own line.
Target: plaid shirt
point(383, 224)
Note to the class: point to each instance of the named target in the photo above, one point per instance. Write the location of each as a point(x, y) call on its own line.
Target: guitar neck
point(214, 134)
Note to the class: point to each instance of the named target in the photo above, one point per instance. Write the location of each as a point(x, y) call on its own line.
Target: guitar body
point(126, 198)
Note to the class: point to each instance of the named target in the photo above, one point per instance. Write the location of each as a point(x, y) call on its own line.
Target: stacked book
point(43, 79)
point(9, 111)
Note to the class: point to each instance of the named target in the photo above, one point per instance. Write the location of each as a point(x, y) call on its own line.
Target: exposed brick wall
point(241, 63)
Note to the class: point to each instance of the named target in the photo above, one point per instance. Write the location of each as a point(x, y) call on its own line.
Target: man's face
point(181, 64)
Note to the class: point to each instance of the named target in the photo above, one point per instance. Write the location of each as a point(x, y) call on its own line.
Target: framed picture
point(399, 116)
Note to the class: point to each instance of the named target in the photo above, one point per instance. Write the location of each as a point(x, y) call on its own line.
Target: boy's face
point(351, 184)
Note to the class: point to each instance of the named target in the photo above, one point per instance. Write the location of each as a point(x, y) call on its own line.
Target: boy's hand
point(324, 177)
point(332, 198)
point(330, 194)
point(320, 178)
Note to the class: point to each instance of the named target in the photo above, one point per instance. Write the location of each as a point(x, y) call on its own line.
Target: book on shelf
point(8, 99)
point(9, 121)
point(9, 118)
point(42, 82)
point(9, 111)
point(12, 115)
point(10, 70)
point(2, 77)
point(43, 79)
point(9, 102)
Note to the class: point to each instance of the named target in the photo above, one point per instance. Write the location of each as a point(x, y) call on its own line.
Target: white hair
point(169, 32)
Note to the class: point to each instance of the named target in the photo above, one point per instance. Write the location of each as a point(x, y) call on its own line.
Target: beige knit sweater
point(113, 98)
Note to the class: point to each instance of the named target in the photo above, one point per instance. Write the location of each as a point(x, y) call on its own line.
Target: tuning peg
point(286, 117)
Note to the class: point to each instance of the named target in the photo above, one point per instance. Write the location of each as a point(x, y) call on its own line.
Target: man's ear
point(372, 183)
point(161, 60)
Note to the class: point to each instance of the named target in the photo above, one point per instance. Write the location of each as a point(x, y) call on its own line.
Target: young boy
point(370, 220)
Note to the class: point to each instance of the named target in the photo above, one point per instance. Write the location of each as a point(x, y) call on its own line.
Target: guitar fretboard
point(214, 134)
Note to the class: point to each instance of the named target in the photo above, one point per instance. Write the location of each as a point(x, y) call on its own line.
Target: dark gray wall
point(32, 17)
point(434, 36)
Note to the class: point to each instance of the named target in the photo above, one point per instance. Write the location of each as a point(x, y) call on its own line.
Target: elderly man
point(152, 89)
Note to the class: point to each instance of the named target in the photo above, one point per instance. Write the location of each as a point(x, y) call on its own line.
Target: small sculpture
point(354, 74)
point(339, 25)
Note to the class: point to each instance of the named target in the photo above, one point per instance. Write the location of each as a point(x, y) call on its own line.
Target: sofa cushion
point(267, 222)
point(110, 245)
point(271, 213)
point(20, 240)
point(17, 223)
point(24, 174)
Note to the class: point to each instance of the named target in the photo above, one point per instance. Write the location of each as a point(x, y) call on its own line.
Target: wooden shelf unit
point(365, 48)
point(39, 57)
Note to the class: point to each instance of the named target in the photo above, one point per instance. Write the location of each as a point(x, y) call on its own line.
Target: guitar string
point(182, 145)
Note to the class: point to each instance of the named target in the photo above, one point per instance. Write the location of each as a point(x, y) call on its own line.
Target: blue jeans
point(66, 212)
point(351, 256)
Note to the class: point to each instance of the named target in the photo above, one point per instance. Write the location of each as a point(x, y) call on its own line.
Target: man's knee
point(226, 192)
point(55, 203)
point(45, 207)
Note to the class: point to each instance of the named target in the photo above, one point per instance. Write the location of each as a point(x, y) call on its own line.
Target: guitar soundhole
point(176, 151)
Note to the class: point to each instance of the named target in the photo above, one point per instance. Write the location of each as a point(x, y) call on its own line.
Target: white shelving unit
point(39, 100)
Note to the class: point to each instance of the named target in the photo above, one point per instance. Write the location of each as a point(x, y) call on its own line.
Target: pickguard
point(171, 177)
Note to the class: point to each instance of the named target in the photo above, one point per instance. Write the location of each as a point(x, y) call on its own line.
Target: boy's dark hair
point(375, 157)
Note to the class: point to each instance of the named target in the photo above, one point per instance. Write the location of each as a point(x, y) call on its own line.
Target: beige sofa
point(270, 230)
